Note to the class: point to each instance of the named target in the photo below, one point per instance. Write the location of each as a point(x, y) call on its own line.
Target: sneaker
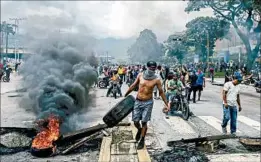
point(141, 144)
point(224, 130)
point(234, 134)
point(167, 116)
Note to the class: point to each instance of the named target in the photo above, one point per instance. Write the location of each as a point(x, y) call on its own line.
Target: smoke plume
point(58, 78)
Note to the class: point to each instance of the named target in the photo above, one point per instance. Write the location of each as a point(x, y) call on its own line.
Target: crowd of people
point(162, 82)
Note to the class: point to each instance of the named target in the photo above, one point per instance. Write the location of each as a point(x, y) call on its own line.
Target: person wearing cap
point(146, 81)
point(231, 100)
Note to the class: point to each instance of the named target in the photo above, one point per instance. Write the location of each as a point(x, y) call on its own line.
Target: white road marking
point(179, 125)
point(234, 157)
point(254, 124)
point(214, 122)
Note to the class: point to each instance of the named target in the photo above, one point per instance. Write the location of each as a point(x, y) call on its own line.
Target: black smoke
point(58, 78)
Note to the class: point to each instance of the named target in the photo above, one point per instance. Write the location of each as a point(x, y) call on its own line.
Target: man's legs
point(119, 90)
point(146, 115)
point(124, 77)
point(109, 90)
point(194, 89)
point(226, 118)
point(233, 121)
point(199, 92)
point(138, 126)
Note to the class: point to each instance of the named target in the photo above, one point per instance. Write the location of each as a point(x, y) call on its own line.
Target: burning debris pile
point(58, 80)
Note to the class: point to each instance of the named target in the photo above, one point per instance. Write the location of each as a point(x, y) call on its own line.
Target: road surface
point(206, 120)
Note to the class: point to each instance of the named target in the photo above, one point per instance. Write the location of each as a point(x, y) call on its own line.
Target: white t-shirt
point(233, 91)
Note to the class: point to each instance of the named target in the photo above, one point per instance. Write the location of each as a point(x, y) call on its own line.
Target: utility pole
point(16, 32)
point(208, 49)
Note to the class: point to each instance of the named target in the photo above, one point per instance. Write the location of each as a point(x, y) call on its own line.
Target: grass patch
point(219, 74)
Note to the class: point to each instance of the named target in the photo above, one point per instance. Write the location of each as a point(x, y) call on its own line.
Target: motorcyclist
point(174, 86)
point(115, 78)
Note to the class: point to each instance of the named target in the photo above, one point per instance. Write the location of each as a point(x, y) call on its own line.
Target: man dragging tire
point(144, 100)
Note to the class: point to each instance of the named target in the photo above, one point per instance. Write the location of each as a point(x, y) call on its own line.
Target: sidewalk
point(15, 83)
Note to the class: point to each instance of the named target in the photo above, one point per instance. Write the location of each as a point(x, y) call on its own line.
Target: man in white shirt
point(230, 101)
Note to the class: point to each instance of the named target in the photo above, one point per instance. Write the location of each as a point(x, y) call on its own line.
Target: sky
point(101, 19)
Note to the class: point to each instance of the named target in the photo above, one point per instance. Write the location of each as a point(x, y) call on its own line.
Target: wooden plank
point(123, 148)
point(105, 152)
point(143, 154)
point(124, 158)
point(80, 143)
point(250, 142)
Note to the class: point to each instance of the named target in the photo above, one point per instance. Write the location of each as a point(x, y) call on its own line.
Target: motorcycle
point(103, 82)
point(5, 78)
point(257, 86)
point(130, 82)
point(180, 103)
point(249, 80)
point(114, 91)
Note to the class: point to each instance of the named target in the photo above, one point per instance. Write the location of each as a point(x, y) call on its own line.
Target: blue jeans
point(230, 113)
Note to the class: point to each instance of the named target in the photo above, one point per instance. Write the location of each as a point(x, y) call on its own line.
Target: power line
point(17, 20)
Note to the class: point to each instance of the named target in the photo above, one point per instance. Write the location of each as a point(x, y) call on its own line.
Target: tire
point(114, 94)
point(5, 79)
point(119, 111)
point(185, 110)
point(247, 82)
point(102, 84)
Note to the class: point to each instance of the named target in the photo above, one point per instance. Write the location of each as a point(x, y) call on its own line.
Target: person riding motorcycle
point(115, 78)
point(174, 87)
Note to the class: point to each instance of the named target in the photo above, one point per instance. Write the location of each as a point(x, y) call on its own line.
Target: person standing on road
point(146, 80)
point(200, 82)
point(230, 101)
point(193, 85)
point(211, 72)
point(121, 72)
point(160, 76)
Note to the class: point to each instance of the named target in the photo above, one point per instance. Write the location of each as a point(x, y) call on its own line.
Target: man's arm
point(204, 81)
point(161, 93)
point(238, 102)
point(132, 87)
point(225, 90)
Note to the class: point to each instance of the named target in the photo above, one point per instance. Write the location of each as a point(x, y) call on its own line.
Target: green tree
point(204, 31)
point(175, 47)
point(244, 15)
point(145, 48)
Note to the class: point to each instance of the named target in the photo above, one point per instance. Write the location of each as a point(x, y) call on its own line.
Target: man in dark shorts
point(200, 82)
point(146, 81)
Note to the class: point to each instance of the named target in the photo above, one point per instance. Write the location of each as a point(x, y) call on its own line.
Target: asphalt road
point(206, 120)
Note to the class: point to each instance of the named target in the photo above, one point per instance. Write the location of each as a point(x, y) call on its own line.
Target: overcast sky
point(118, 19)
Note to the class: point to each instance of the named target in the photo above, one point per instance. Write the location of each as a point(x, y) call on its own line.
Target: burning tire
point(42, 152)
point(119, 111)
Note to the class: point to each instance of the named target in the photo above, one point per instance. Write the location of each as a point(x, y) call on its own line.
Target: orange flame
point(45, 138)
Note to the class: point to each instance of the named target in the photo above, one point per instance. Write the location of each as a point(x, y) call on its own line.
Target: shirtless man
point(144, 100)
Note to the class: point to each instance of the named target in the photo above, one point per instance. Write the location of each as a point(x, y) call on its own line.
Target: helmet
point(151, 64)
